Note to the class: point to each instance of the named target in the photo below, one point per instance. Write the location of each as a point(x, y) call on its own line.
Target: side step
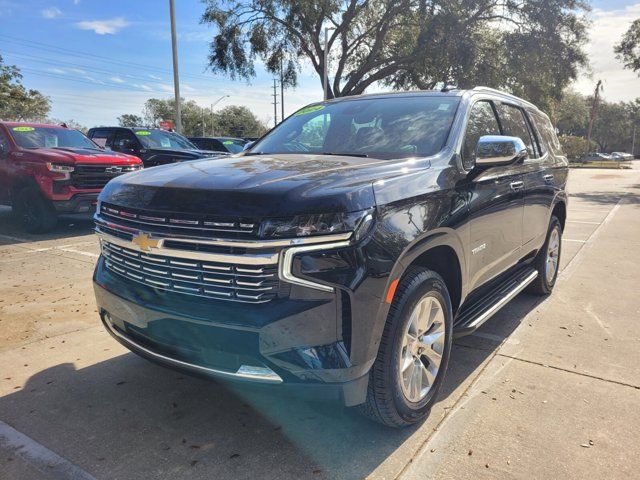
point(475, 314)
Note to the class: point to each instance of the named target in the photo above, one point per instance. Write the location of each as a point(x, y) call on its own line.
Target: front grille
point(240, 283)
point(179, 224)
point(96, 176)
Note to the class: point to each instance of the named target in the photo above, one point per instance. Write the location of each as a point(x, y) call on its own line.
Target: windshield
point(393, 127)
point(234, 145)
point(50, 137)
point(164, 139)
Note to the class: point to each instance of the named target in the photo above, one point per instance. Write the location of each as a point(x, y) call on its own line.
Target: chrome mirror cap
point(496, 150)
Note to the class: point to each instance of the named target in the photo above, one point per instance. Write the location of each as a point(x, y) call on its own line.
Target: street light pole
point(213, 105)
point(176, 82)
point(325, 62)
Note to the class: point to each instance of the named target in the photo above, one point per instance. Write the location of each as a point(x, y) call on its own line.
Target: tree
point(237, 121)
point(232, 121)
point(628, 50)
point(16, 102)
point(156, 110)
point(571, 114)
point(130, 120)
point(405, 43)
point(574, 147)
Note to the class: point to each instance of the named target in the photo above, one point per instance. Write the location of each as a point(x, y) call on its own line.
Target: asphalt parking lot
point(546, 389)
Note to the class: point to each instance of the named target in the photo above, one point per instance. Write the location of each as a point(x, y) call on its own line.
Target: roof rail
point(480, 88)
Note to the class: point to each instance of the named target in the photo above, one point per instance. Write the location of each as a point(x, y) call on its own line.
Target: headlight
point(314, 224)
point(55, 167)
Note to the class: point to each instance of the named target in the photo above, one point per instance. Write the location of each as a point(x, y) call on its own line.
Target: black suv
point(343, 251)
point(151, 145)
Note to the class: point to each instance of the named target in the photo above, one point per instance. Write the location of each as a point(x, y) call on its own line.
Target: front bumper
point(290, 343)
point(79, 203)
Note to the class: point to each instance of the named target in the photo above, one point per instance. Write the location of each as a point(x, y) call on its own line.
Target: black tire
point(35, 213)
point(543, 285)
point(386, 403)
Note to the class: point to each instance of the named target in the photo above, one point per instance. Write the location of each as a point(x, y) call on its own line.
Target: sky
point(97, 60)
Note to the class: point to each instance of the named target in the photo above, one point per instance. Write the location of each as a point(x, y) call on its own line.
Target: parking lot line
point(578, 221)
point(573, 240)
point(39, 456)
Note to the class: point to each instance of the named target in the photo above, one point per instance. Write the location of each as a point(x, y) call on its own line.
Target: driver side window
point(482, 121)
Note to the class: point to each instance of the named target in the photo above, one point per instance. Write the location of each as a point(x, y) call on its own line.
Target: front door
point(496, 204)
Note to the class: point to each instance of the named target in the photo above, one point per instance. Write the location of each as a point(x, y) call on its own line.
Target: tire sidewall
point(434, 286)
point(44, 213)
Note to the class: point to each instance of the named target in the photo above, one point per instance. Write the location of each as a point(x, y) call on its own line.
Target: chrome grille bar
point(201, 278)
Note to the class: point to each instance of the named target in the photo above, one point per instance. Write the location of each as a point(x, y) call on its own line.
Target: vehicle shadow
point(68, 226)
point(127, 418)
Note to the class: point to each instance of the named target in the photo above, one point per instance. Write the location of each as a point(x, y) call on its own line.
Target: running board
point(474, 315)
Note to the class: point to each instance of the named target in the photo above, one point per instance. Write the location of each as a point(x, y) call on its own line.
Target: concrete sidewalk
point(561, 396)
point(548, 388)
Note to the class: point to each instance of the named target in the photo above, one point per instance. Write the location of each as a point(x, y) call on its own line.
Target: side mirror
point(248, 145)
point(4, 150)
point(497, 150)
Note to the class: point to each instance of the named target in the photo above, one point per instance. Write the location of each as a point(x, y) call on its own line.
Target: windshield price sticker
point(23, 129)
point(143, 133)
point(311, 109)
point(228, 142)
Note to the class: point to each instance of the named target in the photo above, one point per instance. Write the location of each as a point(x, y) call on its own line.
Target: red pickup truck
point(50, 169)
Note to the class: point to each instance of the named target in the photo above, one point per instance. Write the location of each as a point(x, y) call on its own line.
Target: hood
point(82, 156)
point(253, 186)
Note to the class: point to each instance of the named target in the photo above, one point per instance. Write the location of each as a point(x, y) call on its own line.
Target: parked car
point(596, 157)
point(152, 145)
point(50, 169)
point(219, 144)
point(343, 252)
point(621, 156)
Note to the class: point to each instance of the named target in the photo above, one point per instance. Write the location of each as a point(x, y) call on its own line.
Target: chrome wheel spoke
point(422, 348)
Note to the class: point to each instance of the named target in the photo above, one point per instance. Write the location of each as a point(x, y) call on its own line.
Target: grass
point(605, 164)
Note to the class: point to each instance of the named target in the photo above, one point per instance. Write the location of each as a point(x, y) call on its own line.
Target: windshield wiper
point(346, 154)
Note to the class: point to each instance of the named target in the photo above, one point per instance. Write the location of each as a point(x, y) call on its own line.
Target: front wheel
point(414, 351)
point(547, 262)
point(35, 213)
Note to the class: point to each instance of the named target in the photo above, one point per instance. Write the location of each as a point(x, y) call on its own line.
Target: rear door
point(496, 203)
point(516, 123)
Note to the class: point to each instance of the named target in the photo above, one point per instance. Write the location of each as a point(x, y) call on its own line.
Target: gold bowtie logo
point(145, 242)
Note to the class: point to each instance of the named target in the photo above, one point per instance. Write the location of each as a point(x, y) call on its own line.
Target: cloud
point(607, 29)
point(116, 80)
point(104, 27)
point(51, 12)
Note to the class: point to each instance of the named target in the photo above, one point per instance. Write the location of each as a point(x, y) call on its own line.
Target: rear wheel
point(414, 351)
point(34, 213)
point(547, 262)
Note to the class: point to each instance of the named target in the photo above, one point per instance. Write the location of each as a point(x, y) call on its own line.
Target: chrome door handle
point(548, 178)
point(516, 185)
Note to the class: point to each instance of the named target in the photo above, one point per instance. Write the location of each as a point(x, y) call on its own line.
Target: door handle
point(516, 185)
point(548, 178)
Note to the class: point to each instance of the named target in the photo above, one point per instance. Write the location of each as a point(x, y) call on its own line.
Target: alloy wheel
point(422, 348)
point(553, 255)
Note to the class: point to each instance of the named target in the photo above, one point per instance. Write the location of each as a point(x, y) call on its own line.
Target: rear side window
point(515, 125)
point(102, 137)
point(546, 133)
point(482, 121)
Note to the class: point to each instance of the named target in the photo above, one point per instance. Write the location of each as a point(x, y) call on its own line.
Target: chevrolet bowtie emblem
point(145, 242)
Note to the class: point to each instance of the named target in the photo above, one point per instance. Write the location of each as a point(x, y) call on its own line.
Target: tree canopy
point(628, 50)
point(18, 103)
point(533, 48)
point(130, 120)
point(233, 121)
